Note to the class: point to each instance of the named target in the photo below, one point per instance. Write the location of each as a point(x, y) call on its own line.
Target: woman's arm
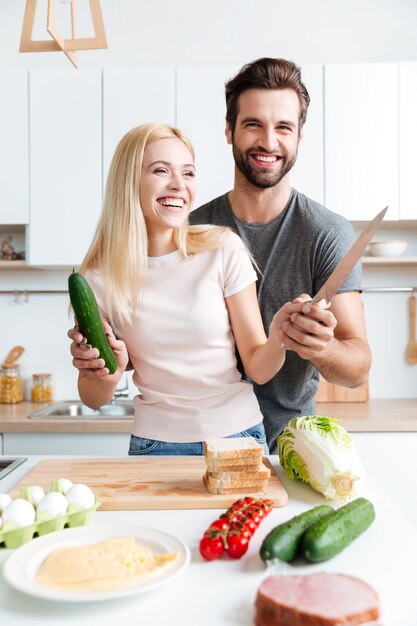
point(262, 357)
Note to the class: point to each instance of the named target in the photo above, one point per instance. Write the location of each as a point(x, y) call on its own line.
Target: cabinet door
point(361, 139)
point(113, 444)
point(14, 143)
point(201, 113)
point(65, 163)
point(408, 140)
point(307, 175)
point(135, 96)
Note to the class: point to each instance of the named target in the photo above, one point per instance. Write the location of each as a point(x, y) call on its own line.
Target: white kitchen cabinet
point(307, 176)
point(134, 96)
point(201, 113)
point(361, 139)
point(66, 443)
point(14, 162)
point(408, 140)
point(65, 165)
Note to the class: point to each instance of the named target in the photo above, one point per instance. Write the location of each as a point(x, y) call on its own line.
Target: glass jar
point(11, 385)
point(41, 388)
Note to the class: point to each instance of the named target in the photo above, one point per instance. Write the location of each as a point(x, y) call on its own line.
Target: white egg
point(63, 484)
point(37, 493)
point(5, 499)
point(80, 495)
point(19, 511)
point(54, 504)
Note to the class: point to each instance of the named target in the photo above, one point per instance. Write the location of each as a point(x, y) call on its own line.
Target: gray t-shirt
point(296, 252)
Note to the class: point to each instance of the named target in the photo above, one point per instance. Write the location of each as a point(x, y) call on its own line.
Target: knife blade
point(352, 256)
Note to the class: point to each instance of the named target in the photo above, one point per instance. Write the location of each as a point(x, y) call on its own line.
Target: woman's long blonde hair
point(119, 250)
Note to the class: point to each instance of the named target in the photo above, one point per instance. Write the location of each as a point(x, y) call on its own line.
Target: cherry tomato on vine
point(233, 530)
point(250, 524)
point(211, 547)
point(254, 516)
point(240, 529)
point(258, 511)
point(220, 524)
point(238, 517)
point(237, 545)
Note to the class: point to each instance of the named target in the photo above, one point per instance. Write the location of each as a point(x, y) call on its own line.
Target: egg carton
point(16, 537)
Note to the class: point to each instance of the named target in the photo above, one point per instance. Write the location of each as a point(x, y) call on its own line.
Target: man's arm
point(333, 339)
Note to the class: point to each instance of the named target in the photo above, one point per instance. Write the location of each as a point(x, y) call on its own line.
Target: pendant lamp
point(58, 43)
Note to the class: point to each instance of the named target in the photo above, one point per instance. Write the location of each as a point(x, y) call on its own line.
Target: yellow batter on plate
point(114, 563)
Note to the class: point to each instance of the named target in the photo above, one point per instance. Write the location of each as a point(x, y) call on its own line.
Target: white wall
point(228, 32)
point(219, 32)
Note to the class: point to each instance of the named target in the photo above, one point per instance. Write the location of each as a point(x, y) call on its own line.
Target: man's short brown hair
point(266, 73)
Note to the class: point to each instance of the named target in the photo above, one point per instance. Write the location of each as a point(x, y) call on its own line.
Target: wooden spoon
point(13, 355)
point(411, 351)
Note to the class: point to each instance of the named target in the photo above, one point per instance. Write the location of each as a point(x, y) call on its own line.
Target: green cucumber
point(89, 321)
point(334, 532)
point(283, 541)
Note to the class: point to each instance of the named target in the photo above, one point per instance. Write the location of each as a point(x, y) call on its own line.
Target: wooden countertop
point(383, 415)
point(14, 419)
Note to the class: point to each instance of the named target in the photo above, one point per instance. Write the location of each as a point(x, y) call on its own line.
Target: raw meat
point(321, 599)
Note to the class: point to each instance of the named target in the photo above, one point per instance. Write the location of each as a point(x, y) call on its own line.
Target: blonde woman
point(176, 300)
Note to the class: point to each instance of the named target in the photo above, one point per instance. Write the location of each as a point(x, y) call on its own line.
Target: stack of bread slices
point(235, 466)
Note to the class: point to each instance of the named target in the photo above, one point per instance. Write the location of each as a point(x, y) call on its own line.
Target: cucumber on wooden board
point(89, 321)
point(284, 540)
point(334, 532)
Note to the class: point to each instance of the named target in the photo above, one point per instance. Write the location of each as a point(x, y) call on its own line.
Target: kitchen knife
point(345, 266)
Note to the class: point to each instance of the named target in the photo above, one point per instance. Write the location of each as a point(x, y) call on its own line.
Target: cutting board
point(144, 483)
point(328, 392)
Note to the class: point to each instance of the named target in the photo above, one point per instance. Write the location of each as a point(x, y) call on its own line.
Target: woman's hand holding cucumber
point(87, 359)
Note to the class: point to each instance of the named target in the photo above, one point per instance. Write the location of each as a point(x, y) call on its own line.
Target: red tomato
point(256, 510)
point(250, 524)
point(220, 524)
point(265, 505)
point(241, 529)
point(268, 503)
point(211, 547)
point(237, 545)
point(236, 506)
point(238, 517)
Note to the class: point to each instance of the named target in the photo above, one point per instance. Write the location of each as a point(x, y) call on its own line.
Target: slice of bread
point(259, 473)
point(232, 490)
point(243, 483)
point(233, 448)
point(233, 465)
point(228, 467)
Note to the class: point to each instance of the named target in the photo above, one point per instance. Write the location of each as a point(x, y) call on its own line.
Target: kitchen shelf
point(14, 265)
point(387, 260)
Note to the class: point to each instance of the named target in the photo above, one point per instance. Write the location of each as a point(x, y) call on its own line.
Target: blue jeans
point(140, 445)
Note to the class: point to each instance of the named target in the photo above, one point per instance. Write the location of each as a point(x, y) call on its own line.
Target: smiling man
point(295, 242)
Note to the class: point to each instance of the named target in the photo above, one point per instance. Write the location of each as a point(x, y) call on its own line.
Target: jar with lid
point(11, 385)
point(41, 388)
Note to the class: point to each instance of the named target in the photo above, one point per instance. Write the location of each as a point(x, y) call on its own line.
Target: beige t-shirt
point(182, 348)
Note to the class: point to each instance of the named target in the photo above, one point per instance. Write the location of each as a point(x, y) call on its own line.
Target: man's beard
point(262, 178)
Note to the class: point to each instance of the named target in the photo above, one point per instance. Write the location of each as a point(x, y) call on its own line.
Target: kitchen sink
point(76, 410)
point(7, 465)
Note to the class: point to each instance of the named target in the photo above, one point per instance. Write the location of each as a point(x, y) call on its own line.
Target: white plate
point(21, 567)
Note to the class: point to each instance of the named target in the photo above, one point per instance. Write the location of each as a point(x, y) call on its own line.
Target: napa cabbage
point(319, 451)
